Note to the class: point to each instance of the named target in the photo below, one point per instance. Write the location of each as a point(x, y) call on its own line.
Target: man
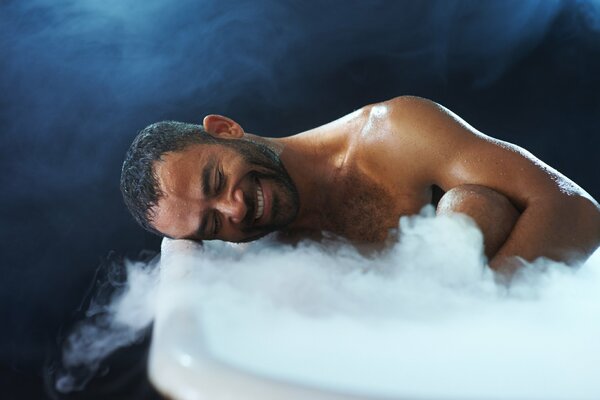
point(355, 177)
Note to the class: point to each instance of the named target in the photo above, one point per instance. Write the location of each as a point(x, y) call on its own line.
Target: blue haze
point(78, 79)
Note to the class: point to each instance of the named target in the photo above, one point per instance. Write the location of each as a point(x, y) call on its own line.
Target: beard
point(267, 167)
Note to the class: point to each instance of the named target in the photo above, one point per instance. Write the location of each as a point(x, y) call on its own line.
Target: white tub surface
point(302, 323)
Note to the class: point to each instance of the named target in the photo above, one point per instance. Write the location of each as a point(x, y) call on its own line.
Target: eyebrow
point(205, 188)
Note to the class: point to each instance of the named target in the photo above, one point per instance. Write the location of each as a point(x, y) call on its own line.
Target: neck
point(313, 160)
point(271, 143)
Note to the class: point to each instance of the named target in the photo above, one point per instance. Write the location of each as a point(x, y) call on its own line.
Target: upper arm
point(448, 152)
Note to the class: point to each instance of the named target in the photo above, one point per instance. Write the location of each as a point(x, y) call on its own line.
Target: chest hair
point(361, 209)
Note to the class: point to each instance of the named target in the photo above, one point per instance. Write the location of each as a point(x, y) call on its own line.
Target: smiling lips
point(260, 201)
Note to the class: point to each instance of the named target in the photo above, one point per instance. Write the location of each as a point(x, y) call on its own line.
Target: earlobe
point(222, 127)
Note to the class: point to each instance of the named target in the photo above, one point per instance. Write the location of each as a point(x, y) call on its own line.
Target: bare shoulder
point(416, 115)
point(400, 135)
point(411, 104)
point(440, 147)
point(408, 118)
point(422, 136)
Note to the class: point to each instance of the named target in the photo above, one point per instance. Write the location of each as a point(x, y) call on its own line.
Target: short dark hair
point(139, 184)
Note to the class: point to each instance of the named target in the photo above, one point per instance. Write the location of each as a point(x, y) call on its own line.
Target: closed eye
point(220, 181)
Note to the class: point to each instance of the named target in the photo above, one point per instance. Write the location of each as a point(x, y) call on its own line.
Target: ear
point(222, 127)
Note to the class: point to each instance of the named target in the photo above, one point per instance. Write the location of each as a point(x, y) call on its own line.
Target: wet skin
point(357, 175)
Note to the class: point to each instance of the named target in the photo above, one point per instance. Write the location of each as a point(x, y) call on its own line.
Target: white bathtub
point(181, 365)
point(453, 334)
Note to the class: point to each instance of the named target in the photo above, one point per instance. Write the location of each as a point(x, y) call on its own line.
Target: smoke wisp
point(118, 315)
point(425, 318)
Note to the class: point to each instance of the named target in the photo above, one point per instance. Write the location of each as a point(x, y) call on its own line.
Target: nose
point(233, 206)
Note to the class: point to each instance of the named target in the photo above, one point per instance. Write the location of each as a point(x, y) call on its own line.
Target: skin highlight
point(354, 177)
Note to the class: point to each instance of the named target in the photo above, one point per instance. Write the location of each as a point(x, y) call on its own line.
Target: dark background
point(79, 78)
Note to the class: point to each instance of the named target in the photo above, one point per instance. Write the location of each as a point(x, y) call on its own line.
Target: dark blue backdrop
point(78, 78)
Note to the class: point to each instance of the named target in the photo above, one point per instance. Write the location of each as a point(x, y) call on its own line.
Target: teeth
point(260, 202)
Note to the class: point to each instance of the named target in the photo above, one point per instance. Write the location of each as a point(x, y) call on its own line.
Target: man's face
point(236, 192)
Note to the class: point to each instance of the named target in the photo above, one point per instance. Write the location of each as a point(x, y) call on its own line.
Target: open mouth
point(260, 202)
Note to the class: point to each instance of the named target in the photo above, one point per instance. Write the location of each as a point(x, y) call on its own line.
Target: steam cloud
point(86, 59)
point(423, 319)
point(118, 316)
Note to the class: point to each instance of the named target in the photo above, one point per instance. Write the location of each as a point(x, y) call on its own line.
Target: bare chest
point(365, 209)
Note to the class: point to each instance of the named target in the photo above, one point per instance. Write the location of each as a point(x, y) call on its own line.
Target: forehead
point(178, 165)
point(196, 153)
point(175, 168)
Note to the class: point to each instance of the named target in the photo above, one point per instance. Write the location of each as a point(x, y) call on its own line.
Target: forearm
point(564, 230)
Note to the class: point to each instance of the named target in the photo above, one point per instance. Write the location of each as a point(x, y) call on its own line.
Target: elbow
point(572, 225)
point(585, 208)
point(577, 207)
point(590, 209)
point(583, 216)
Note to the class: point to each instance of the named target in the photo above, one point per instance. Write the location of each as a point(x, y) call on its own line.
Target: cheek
point(173, 220)
point(166, 227)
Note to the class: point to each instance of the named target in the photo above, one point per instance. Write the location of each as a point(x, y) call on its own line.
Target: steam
point(110, 324)
point(84, 60)
point(425, 318)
